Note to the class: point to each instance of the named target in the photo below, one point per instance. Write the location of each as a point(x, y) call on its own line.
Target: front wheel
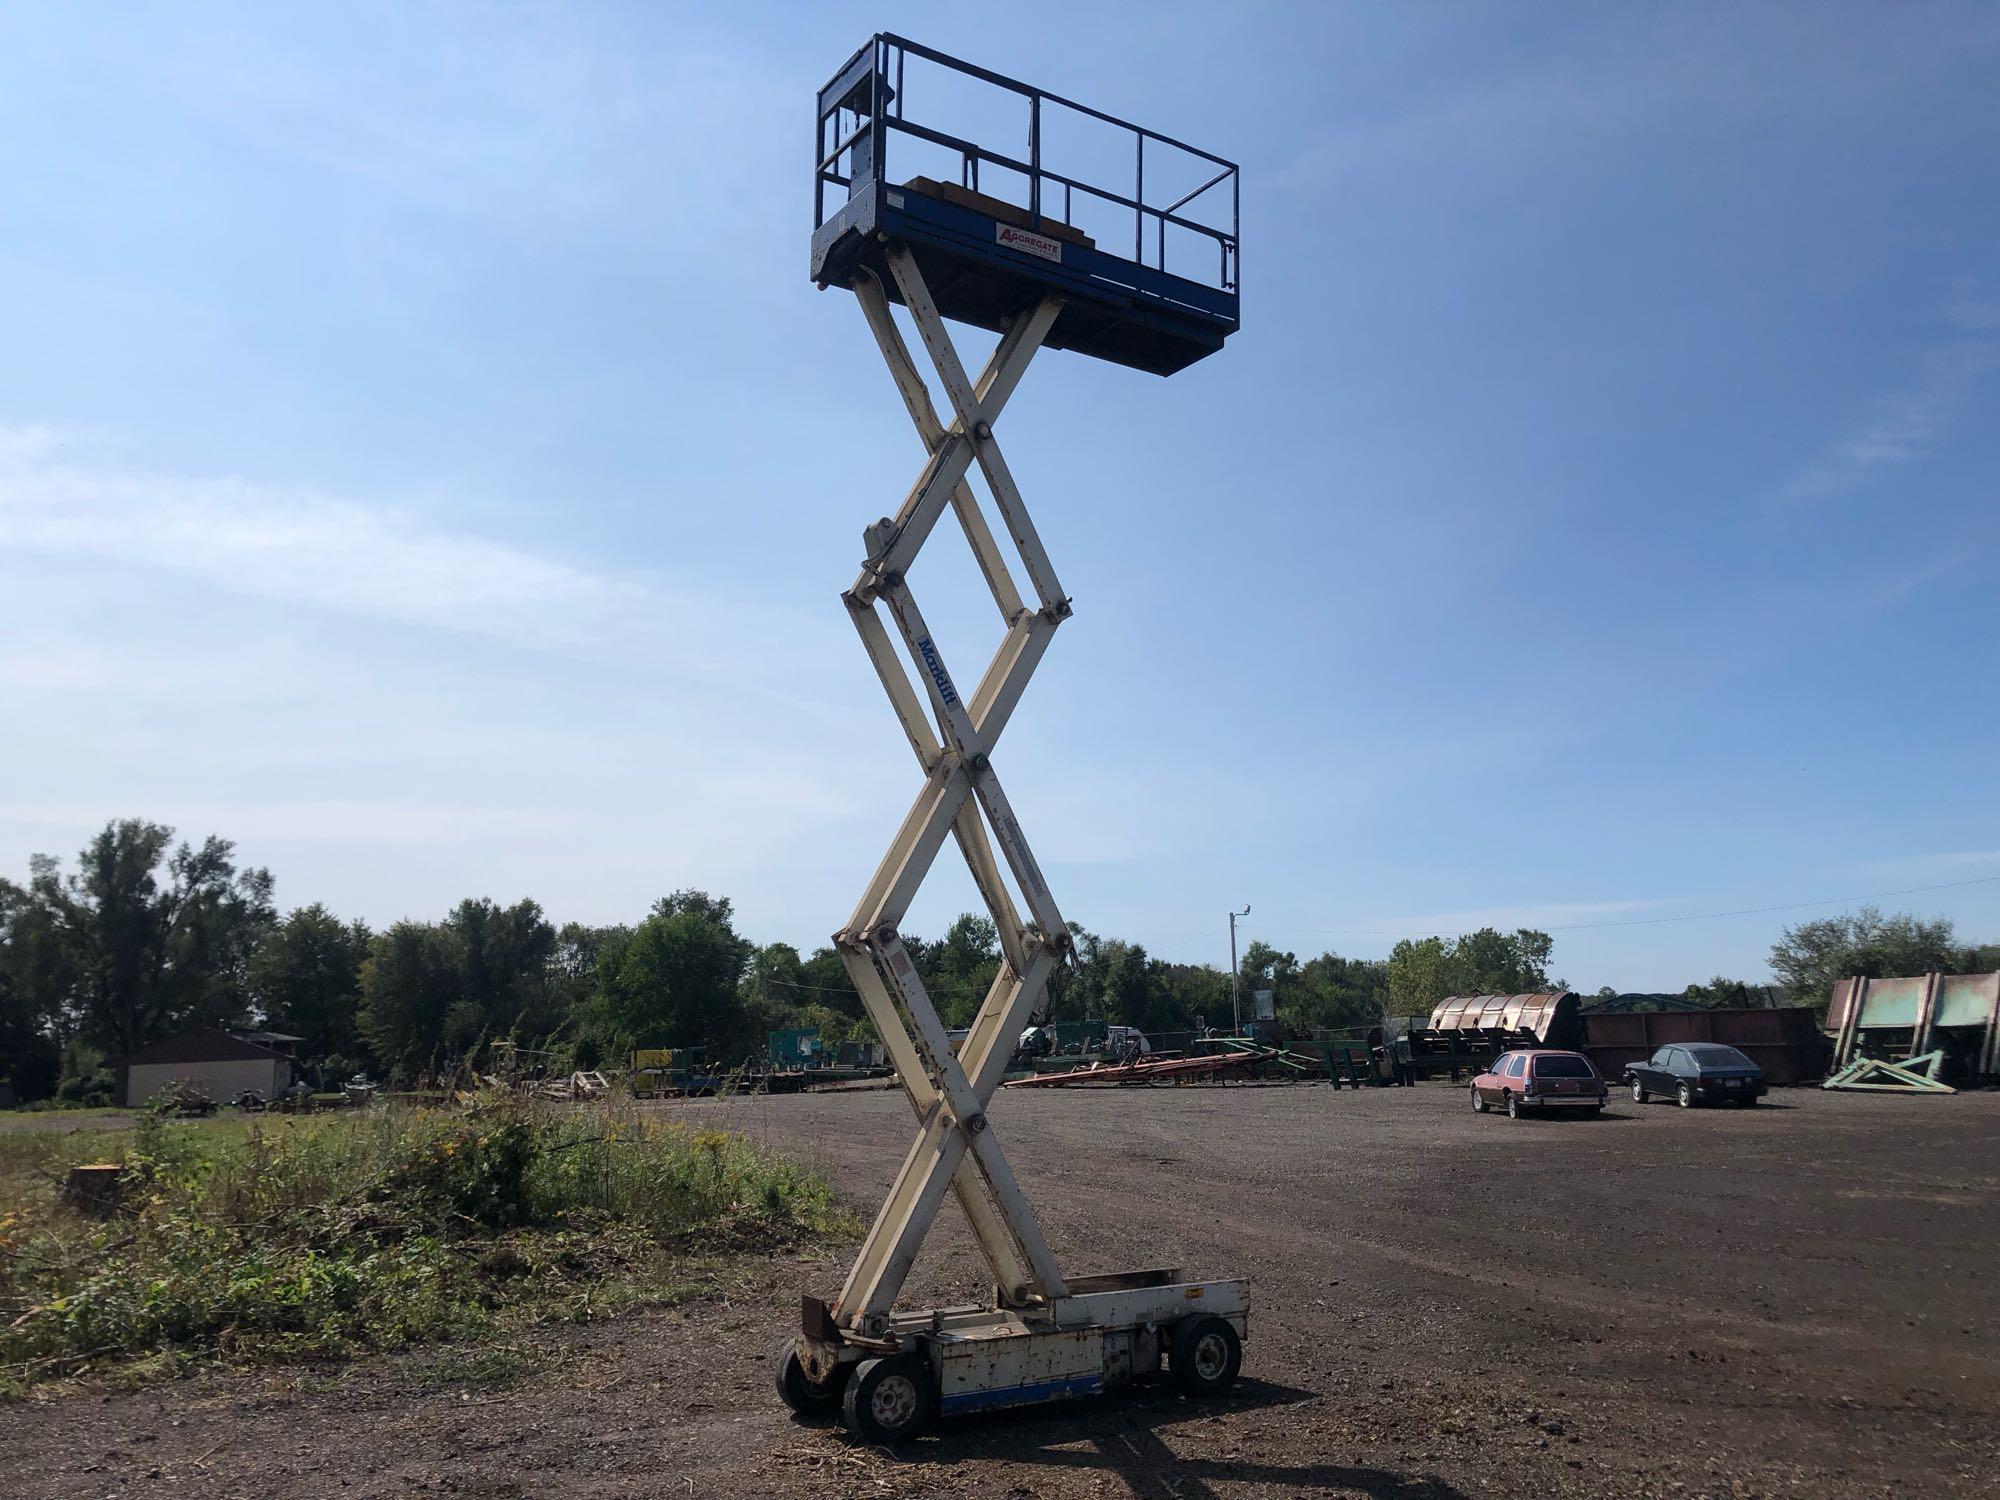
point(1513, 1106)
point(888, 1400)
point(1684, 1096)
point(803, 1394)
point(1478, 1104)
point(1639, 1094)
point(1206, 1354)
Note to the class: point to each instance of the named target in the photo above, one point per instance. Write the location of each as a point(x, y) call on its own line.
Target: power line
point(1378, 932)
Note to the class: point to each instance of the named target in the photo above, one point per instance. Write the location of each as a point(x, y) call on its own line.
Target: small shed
point(219, 1063)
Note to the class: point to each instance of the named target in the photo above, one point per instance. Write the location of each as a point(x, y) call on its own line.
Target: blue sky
point(424, 460)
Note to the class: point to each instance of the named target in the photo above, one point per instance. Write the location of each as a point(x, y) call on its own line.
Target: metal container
point(1911, 1015)
point(1551, 1020)
point(1784, 1043)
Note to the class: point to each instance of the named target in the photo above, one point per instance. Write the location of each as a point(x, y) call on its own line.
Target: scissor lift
point(1016, 266)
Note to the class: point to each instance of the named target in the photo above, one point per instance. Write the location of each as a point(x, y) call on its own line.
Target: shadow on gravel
point(1124, 1438)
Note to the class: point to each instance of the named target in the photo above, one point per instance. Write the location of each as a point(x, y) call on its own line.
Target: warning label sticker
point(1034, 244)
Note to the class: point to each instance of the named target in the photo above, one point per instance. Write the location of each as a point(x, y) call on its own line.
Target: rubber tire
point(1189, 1334)
point(1593, 1112)
point(1639, 1094)
point(1684, 1095)
point(857, 1403)
point(800, 1392)
point(1479, 1105)
point(1748, 1103)
point(1513, 1106)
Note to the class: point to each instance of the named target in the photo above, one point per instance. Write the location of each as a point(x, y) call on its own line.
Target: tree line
point(143, 937)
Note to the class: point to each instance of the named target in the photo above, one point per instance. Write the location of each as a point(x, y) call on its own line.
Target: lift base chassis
point(1109, 1330)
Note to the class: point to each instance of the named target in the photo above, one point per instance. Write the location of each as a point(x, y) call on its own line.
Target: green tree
point(1812, 956)
point(1263, 967)
point(1980, 958)
point(1421, 974)
point(674, 982)
point(1724, 993)
point(958, 968)
point(306, 980)
point(1487, 962)
point(582, 954)
point(1325, 993)
point(1336, 994)
point(29, 1017)
point(146, 938)
point(432, 994)
point(1497, 963)
point(412, 978)
point(1128, 988)
point(1117, 981)
point(509, 978)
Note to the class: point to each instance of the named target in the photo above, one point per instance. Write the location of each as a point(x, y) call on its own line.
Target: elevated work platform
point(991, 246)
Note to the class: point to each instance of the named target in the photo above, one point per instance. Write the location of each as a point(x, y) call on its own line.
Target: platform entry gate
point(1011, 255)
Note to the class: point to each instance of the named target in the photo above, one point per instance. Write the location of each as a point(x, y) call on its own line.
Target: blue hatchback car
point(1692, 1073)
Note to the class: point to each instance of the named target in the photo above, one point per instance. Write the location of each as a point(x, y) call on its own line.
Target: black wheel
point(1205, 1355)
point(888, 1400)
point(1594, 1111)
point(1684, 1096)
point(1513, 1106)
point(1639, 1095)
point(1747, 1103)
point(803, 1394)
point(1478, 1104)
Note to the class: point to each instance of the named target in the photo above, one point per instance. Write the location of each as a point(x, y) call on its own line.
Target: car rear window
point(1563, 1067)
point(1715, 1055)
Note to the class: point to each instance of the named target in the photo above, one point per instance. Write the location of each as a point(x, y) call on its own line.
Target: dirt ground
point(1801, 1299)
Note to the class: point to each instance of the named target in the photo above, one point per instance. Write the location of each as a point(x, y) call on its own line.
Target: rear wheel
point(803, 1394)
point(1684, 1096)
point(1478, 1104)
point(1205, 1355)
point(1513, 1106)
point(888, 1400)
point(1639, 1095)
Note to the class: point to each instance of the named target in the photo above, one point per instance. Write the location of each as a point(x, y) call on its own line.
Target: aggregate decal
point(1034, 244)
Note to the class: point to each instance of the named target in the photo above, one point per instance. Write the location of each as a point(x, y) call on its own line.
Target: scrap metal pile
point(1908, 1034)
point(1240, 1060)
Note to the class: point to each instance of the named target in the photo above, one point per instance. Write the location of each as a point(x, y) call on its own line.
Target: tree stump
point(97, 1189)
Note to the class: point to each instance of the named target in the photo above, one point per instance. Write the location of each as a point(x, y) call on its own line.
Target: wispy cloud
point(305, 549)
point(1904, 426)
point(355, 821)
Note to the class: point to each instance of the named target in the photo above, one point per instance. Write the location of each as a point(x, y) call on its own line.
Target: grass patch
point(487, 1366)
point(323, 1236)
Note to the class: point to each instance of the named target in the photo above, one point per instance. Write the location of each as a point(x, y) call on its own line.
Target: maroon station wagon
point(1540, 1080)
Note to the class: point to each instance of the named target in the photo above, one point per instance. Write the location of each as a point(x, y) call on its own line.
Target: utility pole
point(1235, 987)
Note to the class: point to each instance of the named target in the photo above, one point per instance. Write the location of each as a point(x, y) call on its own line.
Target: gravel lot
point(1801, 1299)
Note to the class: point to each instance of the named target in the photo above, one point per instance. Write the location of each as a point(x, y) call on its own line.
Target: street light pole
point(1235, 985)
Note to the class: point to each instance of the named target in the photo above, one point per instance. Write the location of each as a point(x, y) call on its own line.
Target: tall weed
point(322, 1235)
